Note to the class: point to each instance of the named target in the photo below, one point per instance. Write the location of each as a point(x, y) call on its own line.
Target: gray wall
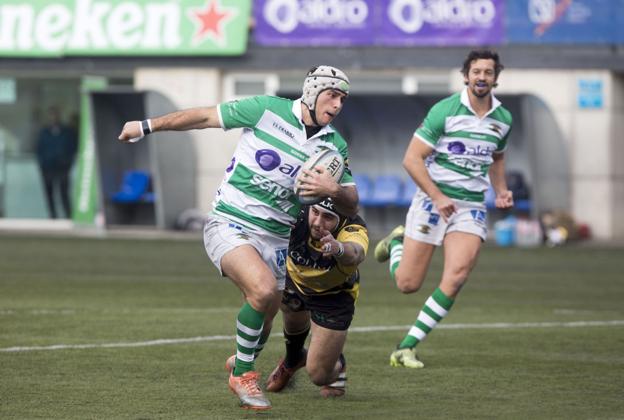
point(168, 157)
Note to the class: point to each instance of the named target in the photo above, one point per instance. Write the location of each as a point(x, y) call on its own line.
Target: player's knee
point(320, 376)
point(459, 272)
point(262, 297)
point(408, 284)
point(456, 279)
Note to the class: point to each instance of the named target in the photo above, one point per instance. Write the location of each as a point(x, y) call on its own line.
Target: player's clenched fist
point(131, 132)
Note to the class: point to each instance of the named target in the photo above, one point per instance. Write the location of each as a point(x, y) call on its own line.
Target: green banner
point(54, 28)
point(85, 200)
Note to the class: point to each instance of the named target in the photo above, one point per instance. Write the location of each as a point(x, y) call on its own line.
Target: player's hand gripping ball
point(333, 163)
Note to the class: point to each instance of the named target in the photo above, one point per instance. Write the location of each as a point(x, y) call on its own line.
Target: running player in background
point(246, 234)
point(463, 139)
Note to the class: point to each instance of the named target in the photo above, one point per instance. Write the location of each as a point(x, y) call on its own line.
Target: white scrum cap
point(322, 78)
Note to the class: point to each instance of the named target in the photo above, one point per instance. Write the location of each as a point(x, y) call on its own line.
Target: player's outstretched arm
point(188, 119)
point(347, 253)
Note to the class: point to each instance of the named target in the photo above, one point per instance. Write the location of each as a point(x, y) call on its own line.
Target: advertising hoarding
point(52, 28)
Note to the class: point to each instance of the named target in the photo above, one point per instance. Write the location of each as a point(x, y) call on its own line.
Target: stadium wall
point(591, 132)
point(592, 135)
point(188, 88)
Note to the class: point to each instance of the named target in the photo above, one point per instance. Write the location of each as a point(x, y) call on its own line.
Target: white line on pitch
point(160, 342)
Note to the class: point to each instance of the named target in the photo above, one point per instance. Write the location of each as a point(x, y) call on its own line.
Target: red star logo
point(210, 22)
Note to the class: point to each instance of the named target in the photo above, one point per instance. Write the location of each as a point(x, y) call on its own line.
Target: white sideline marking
point(160, 342)
point(499, 325)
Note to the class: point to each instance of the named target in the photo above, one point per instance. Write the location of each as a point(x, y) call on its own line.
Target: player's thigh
point(415, 261)
point(423, 223)
point(239, 253)
point(246, 268)
point(325, 348)
point(461, 252)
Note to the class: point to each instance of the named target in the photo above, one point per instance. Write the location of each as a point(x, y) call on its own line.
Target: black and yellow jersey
point(314, 274)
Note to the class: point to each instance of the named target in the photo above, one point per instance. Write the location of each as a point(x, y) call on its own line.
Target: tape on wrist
point(341, 250)
point(146, 127)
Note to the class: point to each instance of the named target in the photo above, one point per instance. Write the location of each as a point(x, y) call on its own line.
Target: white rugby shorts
point(424, 223)
point(222, 235)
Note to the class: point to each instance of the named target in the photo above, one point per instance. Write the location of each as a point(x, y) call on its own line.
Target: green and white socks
point(261, 342)
point(396, 253)
point(248, 329)
point(435, 309)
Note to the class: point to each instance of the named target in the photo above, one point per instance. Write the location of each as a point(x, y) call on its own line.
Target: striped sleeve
point(242, 113)
point(432, 127)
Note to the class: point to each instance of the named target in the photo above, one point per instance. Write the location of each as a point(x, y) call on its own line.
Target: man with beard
point(450, 156)
point(322, 285)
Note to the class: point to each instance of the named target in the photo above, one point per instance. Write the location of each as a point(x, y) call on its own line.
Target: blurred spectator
point(56, 148)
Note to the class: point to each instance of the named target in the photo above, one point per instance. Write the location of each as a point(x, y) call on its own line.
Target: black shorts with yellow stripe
point(332, 311)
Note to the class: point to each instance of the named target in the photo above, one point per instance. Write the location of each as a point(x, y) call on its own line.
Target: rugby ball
point(333, 163)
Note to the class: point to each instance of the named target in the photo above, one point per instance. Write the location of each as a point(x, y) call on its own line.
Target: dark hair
point(484, 55)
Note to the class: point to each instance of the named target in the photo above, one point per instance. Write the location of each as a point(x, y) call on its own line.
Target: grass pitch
point(140, 329)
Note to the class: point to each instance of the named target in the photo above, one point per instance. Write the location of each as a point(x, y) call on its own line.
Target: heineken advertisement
point(53, 28)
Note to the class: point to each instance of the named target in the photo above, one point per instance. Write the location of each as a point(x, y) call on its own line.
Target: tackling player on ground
point(322, 285)
point(246, 234)
point(462, 140)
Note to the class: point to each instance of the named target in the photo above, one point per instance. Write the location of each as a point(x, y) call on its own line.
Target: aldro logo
point(459, 148)
point(269, 160)
point(410, 16)
point(286, 15)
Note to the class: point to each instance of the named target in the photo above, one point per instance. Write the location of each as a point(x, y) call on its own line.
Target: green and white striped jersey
point(257, 189)
point(463, 145)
